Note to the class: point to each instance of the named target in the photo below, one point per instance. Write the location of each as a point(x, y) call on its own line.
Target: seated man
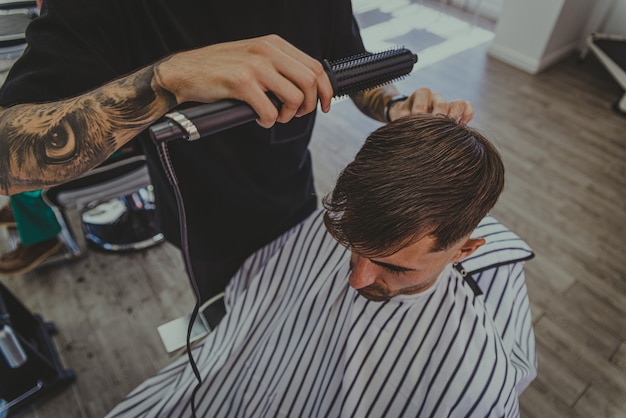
point(367, 308)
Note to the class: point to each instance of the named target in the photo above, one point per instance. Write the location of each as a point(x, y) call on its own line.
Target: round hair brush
point(366, 71)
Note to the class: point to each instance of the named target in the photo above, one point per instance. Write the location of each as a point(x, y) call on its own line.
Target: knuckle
point(260, 47)
point(272, 37)
point(423, 91)
point(294, 99)
point(318, 68)
point(268, 116)
point(309, 81)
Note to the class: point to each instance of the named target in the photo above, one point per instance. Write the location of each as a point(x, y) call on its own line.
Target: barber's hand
point(423, 100)
point(246, 70)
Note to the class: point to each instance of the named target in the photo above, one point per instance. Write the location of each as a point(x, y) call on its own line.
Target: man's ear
point(468, 248)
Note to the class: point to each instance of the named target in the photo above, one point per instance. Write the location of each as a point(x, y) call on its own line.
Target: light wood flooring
point(565, 154)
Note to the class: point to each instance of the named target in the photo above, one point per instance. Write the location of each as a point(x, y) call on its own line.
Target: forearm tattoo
point(372, 102)
point(46, 144)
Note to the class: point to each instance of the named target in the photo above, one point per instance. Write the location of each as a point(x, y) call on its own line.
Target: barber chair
point(110, 208)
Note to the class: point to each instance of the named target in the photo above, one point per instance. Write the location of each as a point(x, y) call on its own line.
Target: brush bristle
point(369, 70)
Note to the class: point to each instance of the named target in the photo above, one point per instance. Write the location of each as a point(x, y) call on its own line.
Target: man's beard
point(377, 293)
point(374, 293)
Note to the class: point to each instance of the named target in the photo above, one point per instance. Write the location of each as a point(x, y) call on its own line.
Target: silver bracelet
point(187, 125)
point(394, 99)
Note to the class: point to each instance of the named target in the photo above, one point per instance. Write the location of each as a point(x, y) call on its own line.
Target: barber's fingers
point(462, 111)
point(424, 100)
point(296, 79)
point(298, 87)
point(459, 110)
point(247, 70)
point(290, 96)
point(307, 73)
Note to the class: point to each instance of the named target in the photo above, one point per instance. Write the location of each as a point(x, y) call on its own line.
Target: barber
point(96, 75)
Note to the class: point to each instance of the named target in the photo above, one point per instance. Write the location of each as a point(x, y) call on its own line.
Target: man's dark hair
point(418, 176)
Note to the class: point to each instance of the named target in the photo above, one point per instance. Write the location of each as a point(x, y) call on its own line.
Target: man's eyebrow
point(391, 266)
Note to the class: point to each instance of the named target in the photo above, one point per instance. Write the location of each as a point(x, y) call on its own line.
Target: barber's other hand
point(246, 70)
point(424, 100)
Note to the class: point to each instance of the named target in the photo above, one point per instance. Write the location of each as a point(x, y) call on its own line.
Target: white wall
point(487, 8)
point(566, 33)
point(616, 20)
point(534, 34)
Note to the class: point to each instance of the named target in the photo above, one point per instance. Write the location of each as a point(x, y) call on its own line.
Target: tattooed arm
point(51, 143)
point(45, 144)
point(373, 104)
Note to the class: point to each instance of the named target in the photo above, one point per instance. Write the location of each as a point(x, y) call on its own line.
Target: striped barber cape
point(298, 341)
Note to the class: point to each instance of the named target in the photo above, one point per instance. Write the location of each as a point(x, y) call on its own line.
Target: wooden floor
point(565, 154)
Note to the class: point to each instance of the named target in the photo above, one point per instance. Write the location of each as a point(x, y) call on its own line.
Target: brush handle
point(347, 76)
point(202, 120)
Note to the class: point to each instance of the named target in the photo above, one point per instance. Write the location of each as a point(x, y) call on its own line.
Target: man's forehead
point(422, 248)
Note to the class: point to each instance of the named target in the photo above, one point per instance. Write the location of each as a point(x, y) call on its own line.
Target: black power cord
point(169, 169)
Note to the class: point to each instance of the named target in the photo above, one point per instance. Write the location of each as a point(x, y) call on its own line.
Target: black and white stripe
point(298, 341)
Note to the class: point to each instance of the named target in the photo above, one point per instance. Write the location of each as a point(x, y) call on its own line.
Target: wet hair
point(418, 176)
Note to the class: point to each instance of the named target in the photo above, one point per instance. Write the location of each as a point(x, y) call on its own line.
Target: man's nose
point(363, 272)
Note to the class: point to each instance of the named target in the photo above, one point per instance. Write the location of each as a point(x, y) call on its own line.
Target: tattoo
point(46, 144)
point(372, 102)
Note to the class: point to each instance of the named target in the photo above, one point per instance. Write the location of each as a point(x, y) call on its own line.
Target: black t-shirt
point(241, 188)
